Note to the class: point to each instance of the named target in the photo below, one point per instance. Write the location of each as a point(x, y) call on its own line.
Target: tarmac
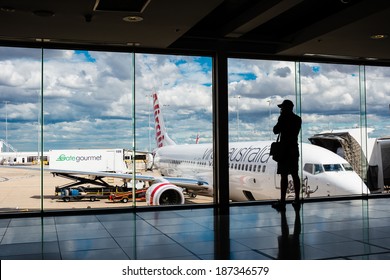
point(21, 191)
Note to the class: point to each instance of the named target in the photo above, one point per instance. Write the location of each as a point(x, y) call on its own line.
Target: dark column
point(220, 157)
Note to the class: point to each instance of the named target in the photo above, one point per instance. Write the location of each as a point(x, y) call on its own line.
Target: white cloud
point(89, 96)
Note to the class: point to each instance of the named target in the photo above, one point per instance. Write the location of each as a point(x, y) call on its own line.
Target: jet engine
point(164, 193)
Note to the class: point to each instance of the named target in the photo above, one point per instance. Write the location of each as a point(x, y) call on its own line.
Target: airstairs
point(8, 147)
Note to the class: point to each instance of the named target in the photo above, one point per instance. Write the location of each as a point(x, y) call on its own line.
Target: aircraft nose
point(358, 185)
point(349, 184)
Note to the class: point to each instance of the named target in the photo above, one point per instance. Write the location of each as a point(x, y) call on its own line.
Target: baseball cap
point(286, 104)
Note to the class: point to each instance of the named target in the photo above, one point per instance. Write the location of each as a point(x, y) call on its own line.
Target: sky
point(90, 98)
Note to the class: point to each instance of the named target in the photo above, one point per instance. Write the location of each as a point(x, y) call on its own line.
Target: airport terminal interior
point(85, 71)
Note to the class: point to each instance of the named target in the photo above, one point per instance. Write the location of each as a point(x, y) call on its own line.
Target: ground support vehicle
point(78, 193)
point(127, 196)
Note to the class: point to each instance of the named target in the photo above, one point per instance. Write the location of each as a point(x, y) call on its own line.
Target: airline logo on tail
point(162, 138)
point(157, 121)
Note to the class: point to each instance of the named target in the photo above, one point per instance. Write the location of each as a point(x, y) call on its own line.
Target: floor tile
point(82, 234)
point(259, 243)
point(200, 248)
point(107, 254)
point(144, 240)
point(31, 222)
point(322, 238)
point(28, 248)
point(192, 236)
point(158, 252)
point(347, 249)
point(248, 255)
point(27, 238)
point(87, 244)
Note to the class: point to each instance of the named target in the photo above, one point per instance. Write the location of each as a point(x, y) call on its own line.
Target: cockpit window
point(308, 168)
point(332, 167)
point(347, 167)
point(318, 168)
point(313, 168)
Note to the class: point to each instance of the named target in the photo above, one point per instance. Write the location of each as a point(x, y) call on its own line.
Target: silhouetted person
point(288, 125)
point(289, 244)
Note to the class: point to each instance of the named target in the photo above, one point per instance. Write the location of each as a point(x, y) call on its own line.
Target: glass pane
point(20, 87)
point(87, 126)
point(256, 87)
point(331, 115)
point(174, 127)
point(327, 97)
point(378, 144)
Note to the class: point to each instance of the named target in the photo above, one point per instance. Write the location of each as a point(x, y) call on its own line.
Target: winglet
point(162, 138)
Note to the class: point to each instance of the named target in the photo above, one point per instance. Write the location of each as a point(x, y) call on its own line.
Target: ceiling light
point(42, 40)
point(330, 56)
point(133, 44)
point(133, 18)
point(379, 36)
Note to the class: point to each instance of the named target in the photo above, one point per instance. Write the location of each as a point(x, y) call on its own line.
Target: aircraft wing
point(190, 184)
point(127, 176)
point(187, 183)
point(178, 181)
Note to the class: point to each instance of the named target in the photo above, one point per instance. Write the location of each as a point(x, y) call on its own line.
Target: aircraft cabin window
point(264, 167)
point(332, 167)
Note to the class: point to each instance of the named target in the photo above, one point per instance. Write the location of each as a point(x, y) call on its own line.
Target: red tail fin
point(162, 138)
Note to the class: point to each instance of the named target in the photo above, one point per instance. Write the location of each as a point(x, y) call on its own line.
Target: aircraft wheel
point(92, 198)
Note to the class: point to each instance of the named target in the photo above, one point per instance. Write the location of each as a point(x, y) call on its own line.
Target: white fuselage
point(252, 171)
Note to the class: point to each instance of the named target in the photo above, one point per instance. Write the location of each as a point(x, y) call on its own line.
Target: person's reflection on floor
point(289, 244)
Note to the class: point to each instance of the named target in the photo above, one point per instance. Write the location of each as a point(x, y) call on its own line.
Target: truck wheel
point(125, 200)
point(92, 198)
point(66, 199)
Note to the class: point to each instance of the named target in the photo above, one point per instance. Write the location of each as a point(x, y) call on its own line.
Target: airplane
point(252, 171)
point(252, 175)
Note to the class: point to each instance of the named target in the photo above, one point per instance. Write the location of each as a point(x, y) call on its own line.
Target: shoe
point(279, 206)
point(296, 205)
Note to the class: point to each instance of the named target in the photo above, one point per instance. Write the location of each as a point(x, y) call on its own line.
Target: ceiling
point(331, 29)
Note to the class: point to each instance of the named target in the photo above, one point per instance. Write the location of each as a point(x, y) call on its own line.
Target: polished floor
point(354, 229)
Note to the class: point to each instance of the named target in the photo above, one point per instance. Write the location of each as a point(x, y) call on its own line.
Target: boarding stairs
point(7, 145)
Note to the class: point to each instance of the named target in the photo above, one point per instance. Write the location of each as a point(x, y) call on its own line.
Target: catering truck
point(89, 160)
